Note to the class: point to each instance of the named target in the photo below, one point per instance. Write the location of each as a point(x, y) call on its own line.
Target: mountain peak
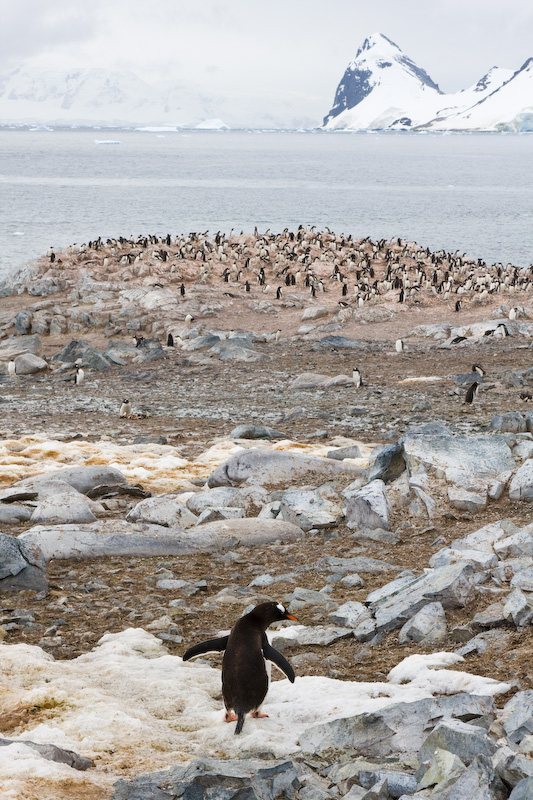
point(379, 41)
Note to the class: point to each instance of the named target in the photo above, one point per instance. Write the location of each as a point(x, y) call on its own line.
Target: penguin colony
point(359, 270)
point(244, 675)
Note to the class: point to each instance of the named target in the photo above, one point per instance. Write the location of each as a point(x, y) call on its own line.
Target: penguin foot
point(229, 716)
point(258, 714)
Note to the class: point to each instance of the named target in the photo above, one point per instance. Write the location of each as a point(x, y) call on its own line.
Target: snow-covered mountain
point(100, 97)
point(383, 89)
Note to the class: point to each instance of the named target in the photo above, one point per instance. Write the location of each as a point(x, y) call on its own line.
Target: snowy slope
point(508, 107)
point(383, 88)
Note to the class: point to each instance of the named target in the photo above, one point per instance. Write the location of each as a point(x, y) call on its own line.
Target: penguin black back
point(471, 392)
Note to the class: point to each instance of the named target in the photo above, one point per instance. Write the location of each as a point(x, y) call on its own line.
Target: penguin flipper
point(280, 661)
point(210, 646)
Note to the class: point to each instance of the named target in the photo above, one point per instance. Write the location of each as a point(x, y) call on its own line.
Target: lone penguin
point(125, 409)
point(458, 305)
point(170, 340)
point(80, 375)
point(513, 313)
point(11, 369)
point(471, 392)
point(479, 369)
point(244, 675)
point(399, 345)
point(356, 377)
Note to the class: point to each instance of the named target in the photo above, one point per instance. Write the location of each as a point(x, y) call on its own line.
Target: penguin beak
point(290, 616)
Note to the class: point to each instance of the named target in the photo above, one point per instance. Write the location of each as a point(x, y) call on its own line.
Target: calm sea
point(472, 193)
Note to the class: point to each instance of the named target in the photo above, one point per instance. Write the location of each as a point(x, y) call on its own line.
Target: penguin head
point(267, 613)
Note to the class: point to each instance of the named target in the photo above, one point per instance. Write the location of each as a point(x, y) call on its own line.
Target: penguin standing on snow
point(244, 675)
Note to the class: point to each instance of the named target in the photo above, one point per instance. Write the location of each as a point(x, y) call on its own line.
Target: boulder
point(369, 507)
point(67, 507)
point(12, 514)
point(249, 498)
point(350, 614)
point(23, 322)
point(465, 500)
point(458, 737)
point(303, 636)
point(121, 538)
point(309, 380)
point(89, 356)
point(517, 716)
point(209, 779)
point(215, 514)
point(453, 586)
point(518, 608)
point(512, 422)
point(29, 364)
point(163, 510)
point(308, 509)
point(523, 790)
point(315, 312)
point(338, 343)
point(274, 468)
point(22, 566)
point(388, 464)
point(340, 453)
point(52, 753)
point(427, 626)
point(83, 479)
point(521, 486)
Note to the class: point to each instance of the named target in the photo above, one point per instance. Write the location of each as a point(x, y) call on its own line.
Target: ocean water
point(472, 193)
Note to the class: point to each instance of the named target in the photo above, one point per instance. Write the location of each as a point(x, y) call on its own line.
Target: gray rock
point(350, 614)
point(427, 626)
point(452, 585)
point(255, 432)
point(22, 566)
point(358, 564)
point(309, 509)
point(518, 608)
point(493, 616)
point(521, 486)
point(512, 422)
point(300, 598)
point(309, 380)
point(477, 782)
point(209, 779)
point(523, 579)
point(369, 507)
point(29, 364)
point(523, 790)
point(273, 468)
point(121, 538)
point(320, 635)
point(53, 753)
point(398, 728)
point(23, 322)
point(388, 464)
point(315, 312)
point(79, 349)
point(398, 783)
point(214, 514)
point(236, 349)
point(518, 545)
point(11, 514)
point(340, 453)
point(338, 343)
point(249, 498)
point(465, 500)
point(63, 508)
point(512, 767)
point(464, 740)
point(201, 342)
point(517, 716)
point(163, 510)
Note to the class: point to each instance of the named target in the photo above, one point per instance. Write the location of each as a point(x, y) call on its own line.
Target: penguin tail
point(240, 722)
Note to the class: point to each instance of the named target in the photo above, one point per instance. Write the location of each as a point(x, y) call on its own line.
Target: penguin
point(244, 675)
point(501, 330)
point(279, 293)
point(526, 396)
point(471, 392)
point(79, 376)
point(277, 335)
point(138, 339)
point(182, 290)
point(125, 409)
point(458, 305)
point(356, 377)
point(170, 340)
point(513, 313)
point(458, 339)
point(189, 318)
point(399, 345)
point(479, 369)
point(344, 289)
point(11, 368)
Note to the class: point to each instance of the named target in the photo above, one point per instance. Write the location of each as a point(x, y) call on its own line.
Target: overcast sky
point(298, 47)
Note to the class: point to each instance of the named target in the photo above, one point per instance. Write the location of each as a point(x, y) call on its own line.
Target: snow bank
point(132, 707)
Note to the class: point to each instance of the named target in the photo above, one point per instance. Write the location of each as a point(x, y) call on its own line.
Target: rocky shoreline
point(392, 519)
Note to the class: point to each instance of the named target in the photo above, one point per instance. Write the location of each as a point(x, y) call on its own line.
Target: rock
point(350, 614)
point(493, 616)
point(121, 538)
point(214, 514)
point(369, 507)
point(340, 453)
point(15, 345)
point(512, 422)
point(523, 579)
point(521, 486)
point(489, 640)
point(523, 790)
point(397, 728)
point(302, 636)
point(79, 349)
point(398, 783)
point(517, 716)
point(300, 598)
point(517, 545)
point(11, 514)
point(162, 510)
point(518, 608)
point(83, 479)
point(452, 585)
point(309, 380)
point(353, 581)
point(465, 500)
point(315, 312)
point(309, 509)
point(338, 343)
point(255, 432)
point(511, 767)
point(209, 779)
point(388, 464)
point(427, 626)
point(150, 440)
point(464, 740)
point(358, 564)
point(236, 349)
point(22, 566)
point(63, 508)
point(273, 468)
point(29, 364)
point(53, 753)
point(23, 322)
